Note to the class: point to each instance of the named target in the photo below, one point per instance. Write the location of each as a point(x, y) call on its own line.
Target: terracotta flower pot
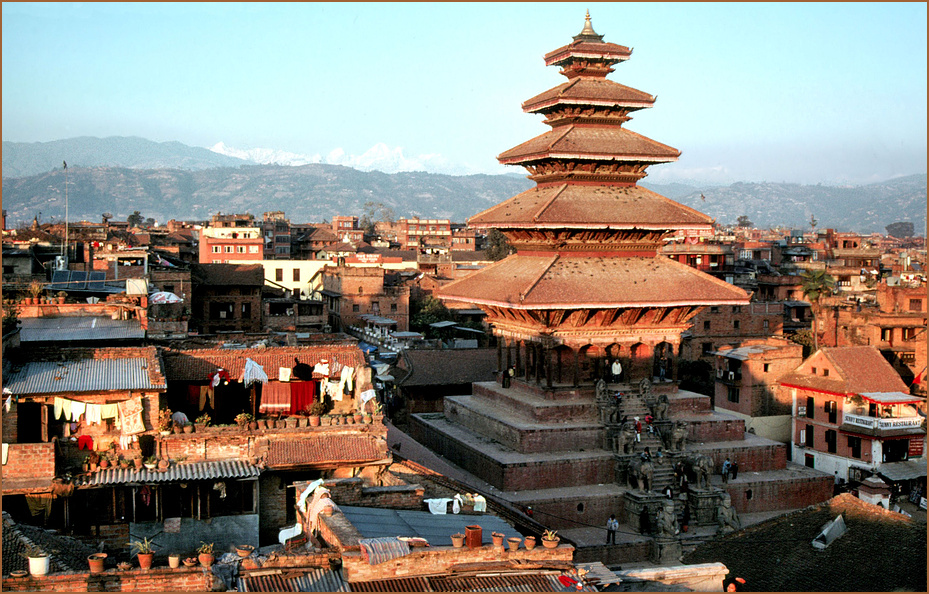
point(163, 464)
point(530, 543)
point(174, 561)
point(357, 417)
point(205, 559)
point(458, 540)
point(551, 544)
point(314, 421)
point(497, 538)
point(514, 542)
point(145, 560)
point(96, 562)
point(104, 463)
point(188, 428)
point(178, 429)
point(253, 425)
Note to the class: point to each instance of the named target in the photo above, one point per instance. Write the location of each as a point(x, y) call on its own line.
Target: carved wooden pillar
point(499, 353)
point(675, 359)
point(575, 380)
point(547, 358)
point(519, 358)
point(508, 359)
point(560, 363)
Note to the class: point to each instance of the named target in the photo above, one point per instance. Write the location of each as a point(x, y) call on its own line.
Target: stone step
point(518, 433)
point(532, 406)
point(508, 469)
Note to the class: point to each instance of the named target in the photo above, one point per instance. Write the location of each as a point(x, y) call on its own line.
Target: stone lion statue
point(726, 517)
point(661, 408)
point(601, 390)
point(676, 436)
point(642, 471)
point(625, 439)
point(700, 467)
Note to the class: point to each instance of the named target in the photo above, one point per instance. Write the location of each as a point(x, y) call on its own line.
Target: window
point(706, 348)
point(217, 249)
point(887, 334)
point(735, 324)
point(240, 249)
point(706, 325)
point(854, 444)
point(227, 249)
point(810, 403)
point(733, 394)
point(766, 367)
point(253, 249)
point(246, 310)
point(830, 409)
point(393, 307)
point(764, 324)
point(296, 275)
point(279, 274)
point(356, 308)
point(814, 370)
point(714, 309)
point(809, 436)
point(830, 441)
point(916, 304)
point(909, 333)
point(375, 307)
point(825, 373)
point(736, 309)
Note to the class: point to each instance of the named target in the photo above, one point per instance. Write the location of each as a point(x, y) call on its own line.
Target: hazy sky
point(831, 93)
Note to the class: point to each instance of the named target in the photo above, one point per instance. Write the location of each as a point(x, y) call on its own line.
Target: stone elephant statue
point(625, 439)
point(700, 467)
point(642, 471)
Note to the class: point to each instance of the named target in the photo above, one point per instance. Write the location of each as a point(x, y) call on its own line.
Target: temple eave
point(531, 157)
point(554, 102)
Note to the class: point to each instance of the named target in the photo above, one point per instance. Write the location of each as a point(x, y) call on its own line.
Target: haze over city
point(806, 93)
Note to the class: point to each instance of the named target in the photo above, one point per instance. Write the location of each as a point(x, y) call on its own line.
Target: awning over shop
point(224, 469)
point(442, 324)
point(901, 471)
point(890, 398)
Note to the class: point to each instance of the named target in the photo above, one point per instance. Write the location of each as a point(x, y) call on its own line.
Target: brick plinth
point(779, 493)
point(193, 579)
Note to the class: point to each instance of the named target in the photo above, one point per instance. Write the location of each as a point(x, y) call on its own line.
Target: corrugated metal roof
point(416, 584)
point(85, 375)
point(79, 328)
point(374, 522)
point(177, 472)
point(319, 580)
point(543, 581)
point(264, 583)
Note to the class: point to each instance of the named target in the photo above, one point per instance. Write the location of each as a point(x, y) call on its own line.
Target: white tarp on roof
point(164, 297)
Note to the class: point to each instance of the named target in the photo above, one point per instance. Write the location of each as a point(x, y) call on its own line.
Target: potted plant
point(150, 463)
point(190, 561)
point(205, 554)
point(514, 542)
point(93, 460)
point(530, 543)
point(164, 421)
point(61, 296)
point(357, 417)
point(104, 461)
point(188, 427)
point(174, 560)
point(317, 410)
point(858, 401)
point(550, 539)
point(143, 549)
point(163, 464)
point(123, 463)
point(137, 461)
point(497, 538)
point(96, 562)
point(290, 422)
point(244, 550)
point(458, 540)
point(35, 289)
point(178, 427)
point(243, 419)
point(202, 422)
point(38, 560)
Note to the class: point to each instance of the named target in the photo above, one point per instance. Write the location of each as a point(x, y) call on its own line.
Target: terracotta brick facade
point(193, 579)
point(763, 496)
point(30, 460)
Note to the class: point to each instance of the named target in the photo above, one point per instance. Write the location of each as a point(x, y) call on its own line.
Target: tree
point(900, 229)
point(374, 212)
point(744, 222)
point(816, 284)
point(135, 219)
point(498, 247)
point(428, 310)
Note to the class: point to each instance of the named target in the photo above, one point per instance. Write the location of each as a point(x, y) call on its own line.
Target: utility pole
point(65, 250)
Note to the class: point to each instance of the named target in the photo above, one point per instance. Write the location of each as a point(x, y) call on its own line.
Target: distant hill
point(23, 159)
point(171, 180)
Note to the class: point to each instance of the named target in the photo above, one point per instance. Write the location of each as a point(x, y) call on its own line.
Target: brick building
point(275, 228)
point(729, 324)
point(854, 417)
point(227, 297)
point(353, 291)
point(231, 237)
point(347, 230)
point(420, 233)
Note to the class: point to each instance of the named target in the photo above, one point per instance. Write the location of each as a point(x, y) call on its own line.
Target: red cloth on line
point(85, 441)
point(275, 398)
point(302, 395)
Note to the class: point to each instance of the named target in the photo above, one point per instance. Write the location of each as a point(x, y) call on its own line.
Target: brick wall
point(272, 502)
point(716, 430)
point(10, 423)
point(183, 579)
point(351, 491)
point(210, 444)
point(30, 460)
point(786, 493)
point(757, 458)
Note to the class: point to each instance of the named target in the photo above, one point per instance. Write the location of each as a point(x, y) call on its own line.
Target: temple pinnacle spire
point(588, 33)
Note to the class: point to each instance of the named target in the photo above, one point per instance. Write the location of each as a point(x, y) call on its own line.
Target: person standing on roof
point(612, 525)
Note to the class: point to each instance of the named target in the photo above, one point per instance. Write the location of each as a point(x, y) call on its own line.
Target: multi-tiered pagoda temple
point(587, 283)
point(587, 287)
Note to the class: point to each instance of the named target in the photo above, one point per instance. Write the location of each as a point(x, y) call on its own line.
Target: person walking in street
point(638, 429)
point(612, 525)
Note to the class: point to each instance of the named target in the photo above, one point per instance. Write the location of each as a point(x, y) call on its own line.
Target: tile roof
point(586, 206)
point(65, 553)
point(859, 369)
point(528, 282)
point(882, 551)
point(79, 328)
point(590, 91)
point(448, 366)
point(83, 375)
point(326, 450)
point(198, 364)
point(586, 47)
point(594, 142)
point(186, 471)
point(228, 274)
